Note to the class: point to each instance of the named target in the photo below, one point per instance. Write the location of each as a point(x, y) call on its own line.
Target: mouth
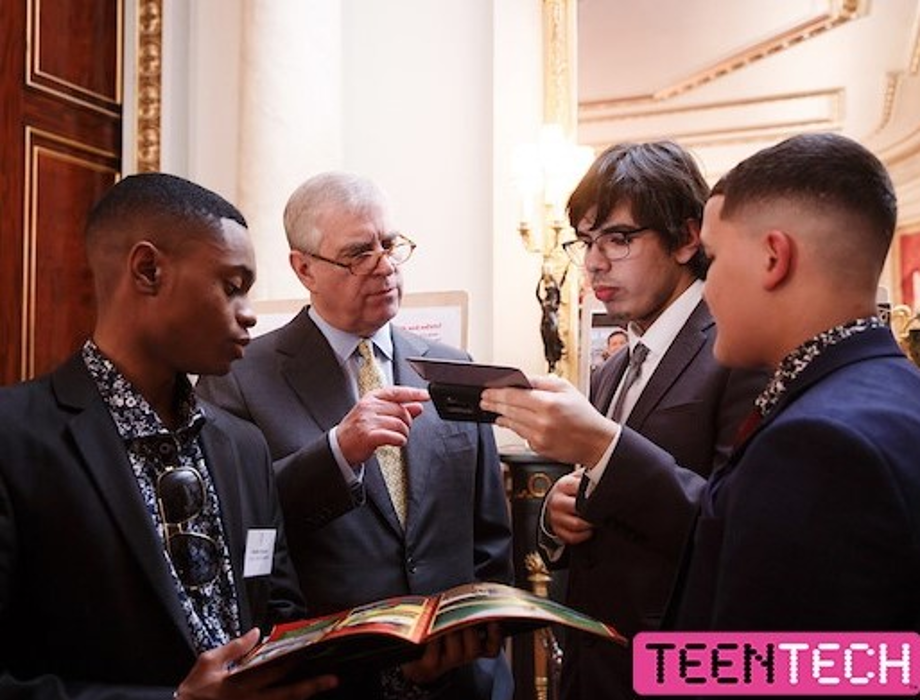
point(241, 344)
point(605, 293)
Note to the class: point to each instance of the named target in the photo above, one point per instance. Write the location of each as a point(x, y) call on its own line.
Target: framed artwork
point(438, 316)
point(909, 267)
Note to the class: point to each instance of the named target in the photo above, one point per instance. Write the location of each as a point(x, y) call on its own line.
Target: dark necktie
point(633, 372)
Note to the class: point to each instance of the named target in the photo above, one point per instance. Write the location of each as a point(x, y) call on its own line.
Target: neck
point(816, 320)
point(156, 384)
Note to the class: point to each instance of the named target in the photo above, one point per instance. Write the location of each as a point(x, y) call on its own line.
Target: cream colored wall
point(430, 98)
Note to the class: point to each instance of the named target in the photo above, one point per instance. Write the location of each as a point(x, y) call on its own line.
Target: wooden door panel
point(74, 52)
point(60, 149)
point(64, 179)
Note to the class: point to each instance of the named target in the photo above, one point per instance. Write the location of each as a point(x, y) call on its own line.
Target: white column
point(290, 120)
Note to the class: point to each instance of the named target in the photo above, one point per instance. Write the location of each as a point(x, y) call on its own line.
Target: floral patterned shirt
point(212, 609)
point(795, 362)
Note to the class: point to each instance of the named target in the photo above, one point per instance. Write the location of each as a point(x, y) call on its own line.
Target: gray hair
point(334, 190)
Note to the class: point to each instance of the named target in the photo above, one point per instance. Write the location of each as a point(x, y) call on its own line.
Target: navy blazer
point(681, 428)
point(86, 598)
point(348, 547)
point(813, 524)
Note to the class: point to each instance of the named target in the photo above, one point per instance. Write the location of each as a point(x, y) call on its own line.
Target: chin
point(726, 357)
point(720, 353)
point(216, 369)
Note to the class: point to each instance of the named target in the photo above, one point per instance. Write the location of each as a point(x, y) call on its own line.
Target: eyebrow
point(362, 247)
point(611, 228)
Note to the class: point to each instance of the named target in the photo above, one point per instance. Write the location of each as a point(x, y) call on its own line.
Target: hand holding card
point(455, 386)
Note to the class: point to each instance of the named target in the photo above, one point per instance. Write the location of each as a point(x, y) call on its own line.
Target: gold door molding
point(149, 85)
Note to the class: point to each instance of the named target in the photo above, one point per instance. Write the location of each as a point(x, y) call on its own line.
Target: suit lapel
point(686, 345)
point(327, 393)
point(315, 376)
point(877, 342)
point(106, 461)
point(223, 461)
point(424, 428)
point(608, 381)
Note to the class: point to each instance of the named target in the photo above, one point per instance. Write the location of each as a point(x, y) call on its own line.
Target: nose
point(595, 260)
point(388, 265)
point(245, 314)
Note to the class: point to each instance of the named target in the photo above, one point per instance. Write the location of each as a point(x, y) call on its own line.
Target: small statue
point(549, 294)
point(905, 325)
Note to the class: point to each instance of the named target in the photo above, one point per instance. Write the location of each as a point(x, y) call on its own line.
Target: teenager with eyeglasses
point(662, 414)
point(354, 536)
point(142, 545)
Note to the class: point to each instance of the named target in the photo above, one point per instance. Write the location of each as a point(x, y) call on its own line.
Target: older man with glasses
point(664, 414)
point(380, 496)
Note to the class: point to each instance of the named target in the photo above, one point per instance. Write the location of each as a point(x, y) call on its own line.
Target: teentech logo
point(776, 663)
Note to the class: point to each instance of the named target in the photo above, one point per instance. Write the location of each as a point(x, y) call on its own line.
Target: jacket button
point(410, 565)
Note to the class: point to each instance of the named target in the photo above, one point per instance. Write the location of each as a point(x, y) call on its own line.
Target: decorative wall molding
point(834, 97)
point(149, 84)
point(559, 28)
point(838, 13)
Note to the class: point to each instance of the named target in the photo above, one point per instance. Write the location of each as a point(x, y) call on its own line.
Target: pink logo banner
point(776, 663)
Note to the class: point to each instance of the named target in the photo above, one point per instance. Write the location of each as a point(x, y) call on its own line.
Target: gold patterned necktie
point(389, 457)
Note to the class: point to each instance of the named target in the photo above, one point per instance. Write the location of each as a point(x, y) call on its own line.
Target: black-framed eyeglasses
point(397, 250)
point(180, 497)
point(613, 244)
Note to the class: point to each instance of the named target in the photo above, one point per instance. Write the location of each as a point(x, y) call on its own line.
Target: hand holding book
point(391, 631)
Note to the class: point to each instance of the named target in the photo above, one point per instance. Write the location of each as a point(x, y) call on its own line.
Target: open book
point(394, 630)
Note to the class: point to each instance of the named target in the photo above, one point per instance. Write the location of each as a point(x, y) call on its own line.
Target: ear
point(685, 253)
point(302, 265)
point(780, 251)
point(145, 263)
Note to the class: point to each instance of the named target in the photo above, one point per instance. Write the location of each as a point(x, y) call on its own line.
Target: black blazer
point(682, 426)
point(813, 524)
point(86, 599)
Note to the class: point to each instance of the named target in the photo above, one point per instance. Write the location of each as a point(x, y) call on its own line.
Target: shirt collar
point(795, 362)
point(659, 336)
point(134, 417)
point(344, 344)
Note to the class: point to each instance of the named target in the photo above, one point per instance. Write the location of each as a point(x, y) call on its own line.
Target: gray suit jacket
point(681, 428)
point(348, 546)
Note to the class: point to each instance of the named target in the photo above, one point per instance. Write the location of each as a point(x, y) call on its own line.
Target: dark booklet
point(455, 386)
point(394, 630)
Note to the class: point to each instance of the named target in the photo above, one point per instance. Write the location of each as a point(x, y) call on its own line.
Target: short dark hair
point(158, 196)
point(660, 182)
point(820, 171)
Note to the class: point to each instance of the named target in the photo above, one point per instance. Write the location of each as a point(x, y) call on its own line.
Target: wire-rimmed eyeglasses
point(397, 250)
point(613, 244)
point(180, 498)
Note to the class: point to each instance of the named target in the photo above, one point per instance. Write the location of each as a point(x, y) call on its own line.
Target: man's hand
point(381, 417)
point(561, 516)
point(210, 679)
point(454, 650)
point(555, 418)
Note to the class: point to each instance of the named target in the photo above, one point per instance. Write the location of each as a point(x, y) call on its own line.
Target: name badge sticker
point(260, 552)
